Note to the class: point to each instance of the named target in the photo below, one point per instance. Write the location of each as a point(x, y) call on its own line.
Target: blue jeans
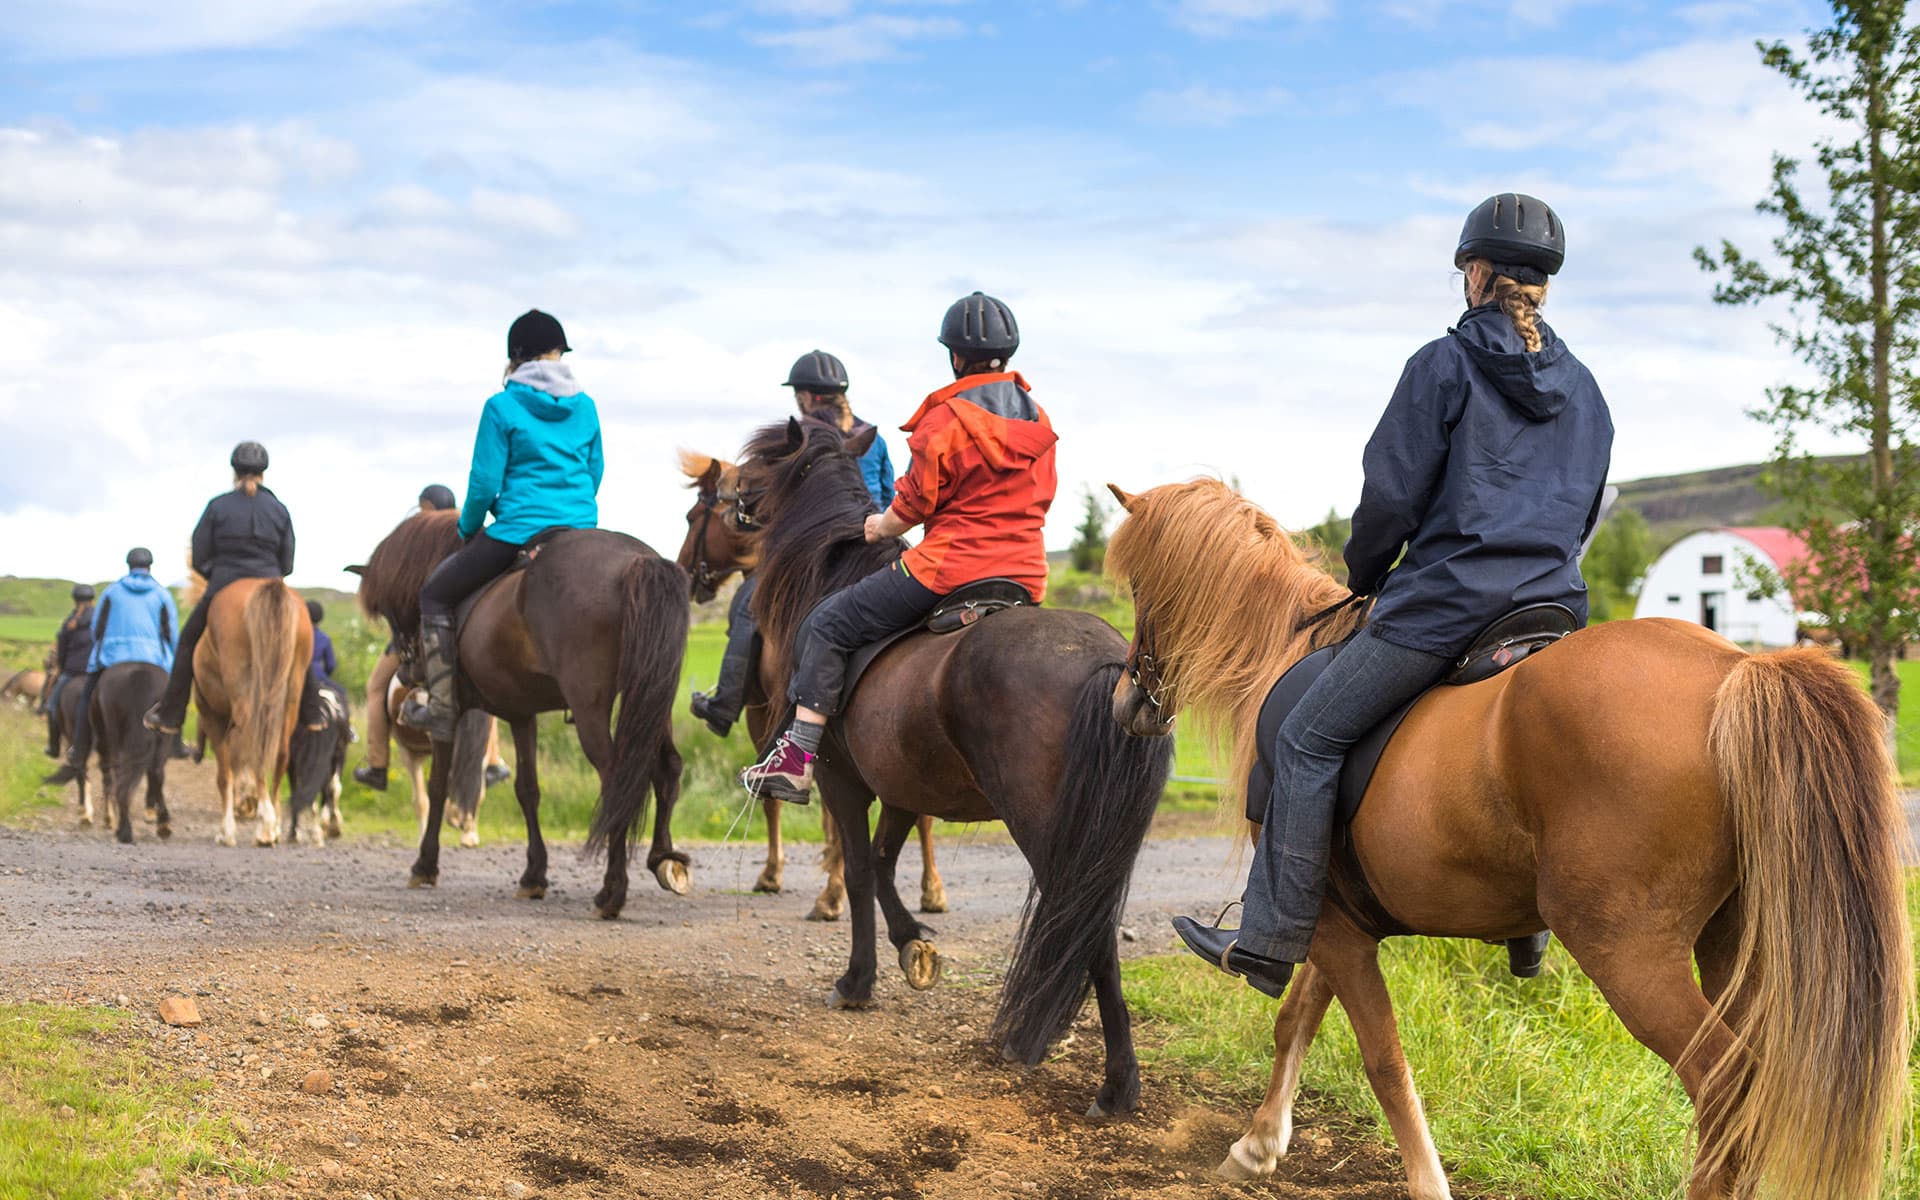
point(1362, 687)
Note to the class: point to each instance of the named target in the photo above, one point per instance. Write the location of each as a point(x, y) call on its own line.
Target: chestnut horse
point(247, 675)
point(1645, 789)
point(716, 546)
point(1007, 720)
point(595, 615)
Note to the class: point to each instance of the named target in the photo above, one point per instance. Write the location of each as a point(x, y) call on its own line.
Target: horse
point(716, 546)
point(61, 723)
point(129, 751)
point(592, 615)
point(1647, 790)
point(1005, 720)
point(24, 686)
point(472, 746)
point(247, 674)
point(315, 759)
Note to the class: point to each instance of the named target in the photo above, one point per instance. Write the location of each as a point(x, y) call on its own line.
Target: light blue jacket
point(876, 469)
point(136, 622)
point(536, 458)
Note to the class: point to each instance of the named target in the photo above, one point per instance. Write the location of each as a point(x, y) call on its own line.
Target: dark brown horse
point(595, 616)
point(129, 751)
point(1005, 721)
point(716, 546)
point(1647, 790)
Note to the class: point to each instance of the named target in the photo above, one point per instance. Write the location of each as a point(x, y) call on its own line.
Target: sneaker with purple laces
point(786, 773)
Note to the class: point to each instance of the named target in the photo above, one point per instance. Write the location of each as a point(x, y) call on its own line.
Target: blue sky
point(1223, 223)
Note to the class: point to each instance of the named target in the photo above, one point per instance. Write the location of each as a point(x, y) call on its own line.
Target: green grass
point(18, 627)
point(22, 737)
point(84, 1113)
point(1532, 1086)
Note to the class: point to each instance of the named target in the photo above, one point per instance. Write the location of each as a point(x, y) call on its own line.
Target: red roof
point(1784, 547)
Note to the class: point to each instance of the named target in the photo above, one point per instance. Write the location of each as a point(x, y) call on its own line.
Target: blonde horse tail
point(1820, 1000)
point(263, 698)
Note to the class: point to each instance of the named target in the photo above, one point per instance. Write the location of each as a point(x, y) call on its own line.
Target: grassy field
point(1532, 1086)
point(85, 1113)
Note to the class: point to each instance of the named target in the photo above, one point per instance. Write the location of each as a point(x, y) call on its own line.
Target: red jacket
point(981, 481)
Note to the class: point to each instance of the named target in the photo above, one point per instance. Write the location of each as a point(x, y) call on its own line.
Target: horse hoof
point(1234, 1169)
point(163, 830)
point(839, 1001)
point(423, 881)
point(673, 876)
point(124, 837)
point(470, 839)
point(933, 899)
point(86, 822)
point(605, 913)
point(1097, 1114)
point(529, 892)
point(922, 964)
point(822, 911)
point(768, 883)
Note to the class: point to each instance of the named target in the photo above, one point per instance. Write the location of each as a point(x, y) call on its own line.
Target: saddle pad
point(956, 611)
point(1355, 774)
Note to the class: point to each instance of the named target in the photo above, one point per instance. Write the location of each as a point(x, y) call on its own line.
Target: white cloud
point(1202, 104)
point(76, 29)
point(1217, 18)
point(873, 37)
point(519, 212)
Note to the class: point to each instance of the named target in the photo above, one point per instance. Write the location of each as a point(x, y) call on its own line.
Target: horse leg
point(157, 800)
point(1256, 1155)
point(417, 779)
point(832, 900)
point(1351, 961)
point(526, 789)
point(593, 728)
point(331, 794)
point(426, 868)
point(1120, 1093)
point(86, 797)
point(772, 875)
point(229, 834)
point(918, 957)
point(669, 866)
point(933, 893)
point(121, 781)
point(847, 804)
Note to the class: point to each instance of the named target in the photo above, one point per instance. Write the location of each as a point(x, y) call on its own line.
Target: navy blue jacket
point(1488, 468)
point(73, 645)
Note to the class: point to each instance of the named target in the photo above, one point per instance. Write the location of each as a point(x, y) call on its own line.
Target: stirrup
point(1226, 908)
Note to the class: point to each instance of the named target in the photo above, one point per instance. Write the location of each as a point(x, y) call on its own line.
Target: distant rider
point(135, 621)
point(72, 647)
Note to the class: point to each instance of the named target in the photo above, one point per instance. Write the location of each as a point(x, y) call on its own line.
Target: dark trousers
point(81, 735)
point(1362, 687)
point(173, 702)
point(884, 602)
point(463, 573)
point(52, 702)
point(730, 690)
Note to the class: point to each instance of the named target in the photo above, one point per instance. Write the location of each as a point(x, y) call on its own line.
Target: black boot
point(709, 709)
point(1221, 948)
point(1526, 954)
point(68, 772)
point(436, 716)
point(372, 777)
point(497, 773)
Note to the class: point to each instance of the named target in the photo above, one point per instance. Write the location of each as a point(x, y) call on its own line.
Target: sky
point(1223, 226)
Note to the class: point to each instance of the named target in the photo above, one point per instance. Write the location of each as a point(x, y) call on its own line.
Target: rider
point(243, 534)
point(435, 497)
point(1487, 469)
point(819, 382)
point(72, 646)
point(134, 622)
point(536, 466)
point(981, 480)
point(324, 662)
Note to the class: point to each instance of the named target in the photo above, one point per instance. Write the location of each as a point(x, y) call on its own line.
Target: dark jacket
point(73, 646)
point(1488, 468)
point(324, 662)
point(243, 537)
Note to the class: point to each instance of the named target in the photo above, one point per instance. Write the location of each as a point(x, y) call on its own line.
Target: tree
point(1089, 551)
point(1622, 550)
point(1849, 271)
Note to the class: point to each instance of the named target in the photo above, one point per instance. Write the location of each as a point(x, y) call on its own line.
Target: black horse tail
point(1109, 788)
point(468, 770)
point(653, 642)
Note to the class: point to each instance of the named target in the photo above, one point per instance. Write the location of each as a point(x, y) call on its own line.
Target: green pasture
point(1533, 1087)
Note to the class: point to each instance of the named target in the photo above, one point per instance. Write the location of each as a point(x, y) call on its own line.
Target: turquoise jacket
point(135, 621)
point(536, 458)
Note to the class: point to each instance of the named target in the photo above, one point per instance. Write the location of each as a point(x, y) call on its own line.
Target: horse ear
point(357, 569)
point(795, 436)
point(862, 441)
point(1126, 500)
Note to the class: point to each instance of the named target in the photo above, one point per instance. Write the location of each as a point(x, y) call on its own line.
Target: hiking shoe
point(786, 773)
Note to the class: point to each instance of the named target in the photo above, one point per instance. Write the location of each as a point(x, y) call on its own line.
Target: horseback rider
point(435, 497)
point(981, 480)
point(324, 662)
point(819, 382)
point(243, 534)
point(1487, 469)
point(536, 467)
point(72, 646)
point(135, 621)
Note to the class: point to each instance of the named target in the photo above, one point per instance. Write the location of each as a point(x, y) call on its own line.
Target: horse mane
point(391, 581)
point(812, 512)
point(1227, 591)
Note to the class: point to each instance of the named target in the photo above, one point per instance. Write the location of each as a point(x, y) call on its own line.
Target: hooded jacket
point(136, 622)
point(876, 468)
point(981, 481)
point(73, 645)
point(536, 457)
point(243, 537)
point(1488, 468)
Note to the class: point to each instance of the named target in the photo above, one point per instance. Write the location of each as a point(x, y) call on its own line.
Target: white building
point(1706, 578)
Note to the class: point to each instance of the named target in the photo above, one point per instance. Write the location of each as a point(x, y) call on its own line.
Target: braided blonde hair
point(1520, 301)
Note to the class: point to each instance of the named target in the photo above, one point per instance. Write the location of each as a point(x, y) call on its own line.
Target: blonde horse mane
point(1226, 592)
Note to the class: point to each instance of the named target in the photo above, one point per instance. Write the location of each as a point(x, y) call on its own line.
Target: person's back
point(244, 534)
point(138, 623)
point(537, 461)
point(74, 645)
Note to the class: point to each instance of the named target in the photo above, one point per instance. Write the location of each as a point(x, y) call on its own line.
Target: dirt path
point(484, 1046)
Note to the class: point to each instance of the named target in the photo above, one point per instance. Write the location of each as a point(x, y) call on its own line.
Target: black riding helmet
point(1517, 235)
point(534, 333)
point(817, 371)
point(437, 496)
point(315, 612)
point(140, 557)
point(249, 458)
point(978, 326)
point(83, 591)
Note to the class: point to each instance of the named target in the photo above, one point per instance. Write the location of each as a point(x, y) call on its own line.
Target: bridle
point(1143, 668)
point(738, 516)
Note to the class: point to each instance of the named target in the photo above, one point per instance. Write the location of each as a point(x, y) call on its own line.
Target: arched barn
point(1704, 578)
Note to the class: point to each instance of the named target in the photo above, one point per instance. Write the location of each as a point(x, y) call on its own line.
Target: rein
point(1144, 669)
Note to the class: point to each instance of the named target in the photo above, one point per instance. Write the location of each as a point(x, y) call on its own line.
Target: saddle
point(956, 611)
point(529, 551)
point(1501, 645)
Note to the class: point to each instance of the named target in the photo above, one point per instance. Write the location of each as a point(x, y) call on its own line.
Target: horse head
point(719, 541)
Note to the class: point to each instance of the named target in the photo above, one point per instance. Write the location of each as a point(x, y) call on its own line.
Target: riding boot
point(371, 776)
point(1526, 954)
point(436, 716)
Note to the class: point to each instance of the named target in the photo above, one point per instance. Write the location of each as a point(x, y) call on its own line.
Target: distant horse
point(593, 615)
point(24, 686)
point(1650, 792)
point(471, 743)
point(1006, 720)
point(61, 723)
point(315, 760)
point(129, 751)
point(716, 546)
point(247, 676)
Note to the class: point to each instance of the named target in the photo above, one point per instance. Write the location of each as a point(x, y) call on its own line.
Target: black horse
point(128, 750)
point(315, 758)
